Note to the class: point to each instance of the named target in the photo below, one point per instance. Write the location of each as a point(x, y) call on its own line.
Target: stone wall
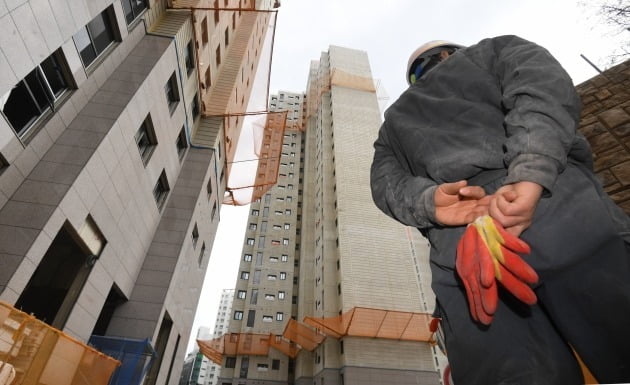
point(606, 124)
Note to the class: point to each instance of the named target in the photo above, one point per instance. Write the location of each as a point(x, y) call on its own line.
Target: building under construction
point(329, 289)
point(120, 119)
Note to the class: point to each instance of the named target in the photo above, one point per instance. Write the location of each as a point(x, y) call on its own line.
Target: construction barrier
point(376, 323)
point(32, 352)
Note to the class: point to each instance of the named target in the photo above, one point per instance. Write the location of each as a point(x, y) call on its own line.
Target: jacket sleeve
point(399, 194)
point(542, 110)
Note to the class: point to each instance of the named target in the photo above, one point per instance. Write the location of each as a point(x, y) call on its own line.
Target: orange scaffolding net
point(32, 352)
point(294, 338)
point(376, 323)
point(254, 167)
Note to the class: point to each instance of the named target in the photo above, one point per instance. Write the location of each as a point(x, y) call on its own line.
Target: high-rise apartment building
point(112, 162)
point(198, 369)
point(318, 240)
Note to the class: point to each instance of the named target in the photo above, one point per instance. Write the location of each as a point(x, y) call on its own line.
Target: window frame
point(146, 150)
point(135, 16)
point(108, 17)
point(53, 99)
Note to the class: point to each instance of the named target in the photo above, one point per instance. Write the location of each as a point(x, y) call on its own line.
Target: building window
point(267, 318)
point(287, 226)
point(253, 226)
point(254, 299)
point(160, 190)
point(270, 297)
point(261, 241)
point(275, 365)
point(247, 257)
point(250, 241)
point(95, 37)
point(208, 77)
point(230, 362)
point(287, 212)
point(256, 277)
point(285, 241)
point(273, 259)
point(284, 258)
point(214, 211)
point(133, 9)
point(182, 144)
point(242, 294)
point(271, 277)
point(201, 253)
point(283, 275)
point(238, 315)
point(227, 37)
point(34, 95)
point(204, 30)
point(255, 213)
point(281, 295)
point(195, 236)
point(189, 58)
point(279, 316)
point(172, 94)
point(218, 55)
point(194, 107)
point(263, 367)
point(251, 317)
point(245, 275)
point(275, 242)
point(146, 140)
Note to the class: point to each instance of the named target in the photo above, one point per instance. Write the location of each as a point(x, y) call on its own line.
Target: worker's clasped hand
point(487, 253)
point(458, 204)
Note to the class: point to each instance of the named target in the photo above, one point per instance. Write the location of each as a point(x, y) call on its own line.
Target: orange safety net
point(254, 167)
point(299, 333)
point(376, 323)
point(32, 352)
point(248, 344)
point(287, 347)
point(345, 79)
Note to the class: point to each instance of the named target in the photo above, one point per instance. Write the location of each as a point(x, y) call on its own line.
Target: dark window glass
point(230, 362)
point(172, 94)
point(189, 57)
point(101, 32)
point(161, 189)
point(94, 38)
point(34, 94)
point(251, 316)
point(54, 75)
point(133, 8)
point(195, 107)
point(146, 141)
point(84, 45)
point(182, 145)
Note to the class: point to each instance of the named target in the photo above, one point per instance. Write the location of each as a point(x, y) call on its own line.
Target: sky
point(389, 31)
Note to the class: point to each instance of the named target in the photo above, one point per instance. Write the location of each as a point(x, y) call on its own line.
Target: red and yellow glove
point(487, 253)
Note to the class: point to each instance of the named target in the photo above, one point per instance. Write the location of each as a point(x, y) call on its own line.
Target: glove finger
point(479, 311)
point(471, 300)
point(517, 287)
point(484, 260)
point(517, 266)
point(465, 253)
point(511, 241)
point(489, 300)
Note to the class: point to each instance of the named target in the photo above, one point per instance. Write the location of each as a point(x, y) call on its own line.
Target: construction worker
point(491, 129)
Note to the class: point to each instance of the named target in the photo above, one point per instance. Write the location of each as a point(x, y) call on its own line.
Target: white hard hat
point(424, 48)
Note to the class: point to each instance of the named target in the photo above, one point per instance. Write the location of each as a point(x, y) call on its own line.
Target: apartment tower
point(112, 163)
point(343, 253)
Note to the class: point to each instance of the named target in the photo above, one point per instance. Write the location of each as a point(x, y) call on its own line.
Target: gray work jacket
point(502, 106)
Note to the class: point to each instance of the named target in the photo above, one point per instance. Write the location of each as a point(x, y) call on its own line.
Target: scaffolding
point(32, 352)
point(376, 323)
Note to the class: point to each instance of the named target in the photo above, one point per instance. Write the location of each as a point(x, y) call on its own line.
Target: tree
point(615, 15)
